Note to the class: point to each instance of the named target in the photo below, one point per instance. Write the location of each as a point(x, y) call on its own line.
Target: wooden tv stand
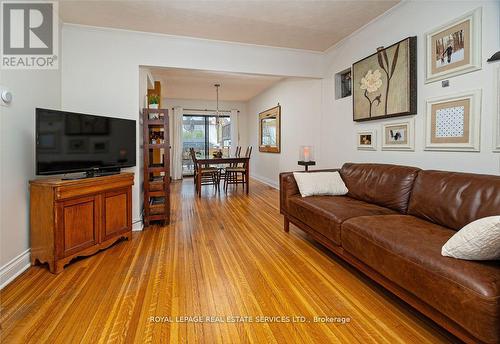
point(72, 218)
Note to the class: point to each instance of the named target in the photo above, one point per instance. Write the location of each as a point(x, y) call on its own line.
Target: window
point(200, 132)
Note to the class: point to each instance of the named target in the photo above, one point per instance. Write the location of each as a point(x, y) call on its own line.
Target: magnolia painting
point(384, 84)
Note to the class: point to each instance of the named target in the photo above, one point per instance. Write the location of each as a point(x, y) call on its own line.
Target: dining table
point(228, 160)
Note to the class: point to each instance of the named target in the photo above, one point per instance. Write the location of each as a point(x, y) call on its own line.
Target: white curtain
point(177, 143)
point(235, 132)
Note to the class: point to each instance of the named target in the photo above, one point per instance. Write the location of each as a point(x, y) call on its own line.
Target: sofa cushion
point(407, 251)
point(385, 185)
point(325, 214)
point(454, 199)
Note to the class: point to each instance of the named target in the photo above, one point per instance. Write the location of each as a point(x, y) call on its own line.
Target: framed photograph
point(367, 140)
point(453, 122)
point(399, 136)
point(496, 145)
point(454, 48)
point(385, 84)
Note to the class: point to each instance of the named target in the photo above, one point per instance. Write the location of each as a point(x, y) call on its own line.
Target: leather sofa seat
point(407, 251)
point(326, 213)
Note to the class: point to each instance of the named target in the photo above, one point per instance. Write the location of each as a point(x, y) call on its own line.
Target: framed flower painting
point(384, 84)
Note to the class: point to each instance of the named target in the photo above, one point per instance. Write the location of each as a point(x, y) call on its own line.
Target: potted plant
point(154, 101)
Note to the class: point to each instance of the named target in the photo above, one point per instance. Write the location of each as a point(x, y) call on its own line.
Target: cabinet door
point(77, 227)
point(117, 217)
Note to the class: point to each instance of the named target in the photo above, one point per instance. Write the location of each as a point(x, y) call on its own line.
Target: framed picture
point(399, 136)
point(367, 140)
point(453, 122)
point(385, 84)
point(270, 130)
point(454, 48)
point(497, 122)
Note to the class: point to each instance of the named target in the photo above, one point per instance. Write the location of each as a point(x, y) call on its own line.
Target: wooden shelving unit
point(156, 151)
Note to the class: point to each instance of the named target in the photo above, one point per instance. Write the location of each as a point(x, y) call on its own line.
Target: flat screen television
point(68, 142)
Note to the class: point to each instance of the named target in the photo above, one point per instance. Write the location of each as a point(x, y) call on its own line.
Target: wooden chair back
point(248, 153)
point(193, 157)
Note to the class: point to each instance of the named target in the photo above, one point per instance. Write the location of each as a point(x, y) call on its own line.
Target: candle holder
point(306, 157)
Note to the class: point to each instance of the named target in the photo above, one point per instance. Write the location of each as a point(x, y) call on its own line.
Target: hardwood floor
point(221, 256)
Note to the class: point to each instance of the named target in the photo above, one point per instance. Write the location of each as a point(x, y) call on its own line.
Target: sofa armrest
point(289, 188)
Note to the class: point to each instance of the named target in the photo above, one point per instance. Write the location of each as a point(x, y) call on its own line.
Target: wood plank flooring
point(221, 256)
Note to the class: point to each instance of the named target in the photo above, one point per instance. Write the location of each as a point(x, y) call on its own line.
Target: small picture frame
point(496, 134)
point(367, 140)
point(453, 122)
point(399, 135)
point(454, 48)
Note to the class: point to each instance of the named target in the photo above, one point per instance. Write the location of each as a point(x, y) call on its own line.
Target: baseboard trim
point(14, 268)
point(266, 181)
point(137, 225)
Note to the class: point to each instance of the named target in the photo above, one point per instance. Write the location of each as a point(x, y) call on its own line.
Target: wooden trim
point(395, 289)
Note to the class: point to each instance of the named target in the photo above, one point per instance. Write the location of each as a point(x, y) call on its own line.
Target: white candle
point(306, 153)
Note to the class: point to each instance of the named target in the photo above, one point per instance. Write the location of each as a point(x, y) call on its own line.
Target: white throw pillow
point(479, 240)
point(320, 183)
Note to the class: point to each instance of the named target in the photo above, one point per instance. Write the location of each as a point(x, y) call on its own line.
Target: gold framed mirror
point(270, 130)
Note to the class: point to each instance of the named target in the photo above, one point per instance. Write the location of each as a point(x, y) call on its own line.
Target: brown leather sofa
point(392, 225)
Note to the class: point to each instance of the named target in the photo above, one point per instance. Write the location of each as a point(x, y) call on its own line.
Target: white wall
point(412, 18)
point(30, 89)
point(300, 101)
point(100, 69)
point(311, 115)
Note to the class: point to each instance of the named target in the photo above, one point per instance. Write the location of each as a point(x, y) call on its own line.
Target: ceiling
point(197, 84)
point(303, 24)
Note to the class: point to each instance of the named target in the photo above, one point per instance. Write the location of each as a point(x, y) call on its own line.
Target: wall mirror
point(270, 130)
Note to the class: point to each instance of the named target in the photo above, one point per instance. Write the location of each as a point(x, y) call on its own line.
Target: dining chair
point(222, 170)
point(208, 175)
point(237, 174)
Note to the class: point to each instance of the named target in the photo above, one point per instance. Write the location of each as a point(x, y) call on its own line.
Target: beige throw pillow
point(479, 240)
point(320, 183)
